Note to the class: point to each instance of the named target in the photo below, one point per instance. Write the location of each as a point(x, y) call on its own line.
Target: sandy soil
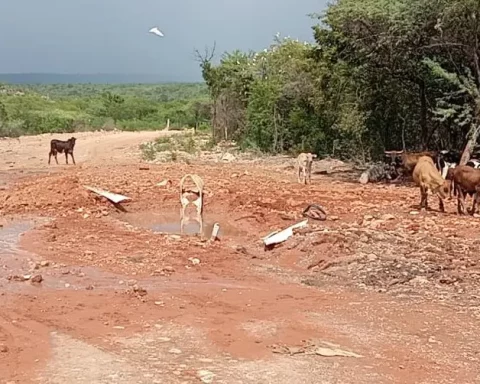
point(125, 299)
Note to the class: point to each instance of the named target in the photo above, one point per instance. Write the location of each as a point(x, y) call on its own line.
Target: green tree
point(3, 113)
point(113, 105)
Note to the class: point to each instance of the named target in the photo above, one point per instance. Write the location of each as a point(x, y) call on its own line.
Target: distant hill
point(100, 78)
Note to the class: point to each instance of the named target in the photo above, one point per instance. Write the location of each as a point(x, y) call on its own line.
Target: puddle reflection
point(173, 223)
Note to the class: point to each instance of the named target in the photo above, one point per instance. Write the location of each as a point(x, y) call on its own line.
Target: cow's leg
point(73, 158)
point(441, 206)
point(471, 211)
point(460, 202)
point(304, 175)
point(463, 200)
point(475, 199)
point(66, 156)
point(423, 199)
point(53, 152)
point(298, 174)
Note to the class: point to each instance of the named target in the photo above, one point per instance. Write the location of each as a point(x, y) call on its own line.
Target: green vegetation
point(155, 92)
point(189, 143)
point(35, 109)
point(382, 74)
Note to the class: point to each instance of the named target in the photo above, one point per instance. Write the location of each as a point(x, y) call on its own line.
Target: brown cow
point(467, 181)
point(408, 160)
point(427, 177)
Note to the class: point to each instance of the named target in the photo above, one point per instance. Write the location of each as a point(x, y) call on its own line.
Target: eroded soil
point(124, 298)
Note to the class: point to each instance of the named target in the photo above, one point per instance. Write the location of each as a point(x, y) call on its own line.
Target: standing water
point(170, 223)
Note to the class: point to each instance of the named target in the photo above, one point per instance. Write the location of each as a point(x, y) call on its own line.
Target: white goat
point(304, 167)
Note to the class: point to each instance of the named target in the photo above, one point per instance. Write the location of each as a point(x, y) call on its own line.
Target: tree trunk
point(423, 115)
point(214, 119)
point(472, 141)
point(275, 132)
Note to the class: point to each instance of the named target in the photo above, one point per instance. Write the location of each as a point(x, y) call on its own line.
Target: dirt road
point(92, 148)
point(375, 294)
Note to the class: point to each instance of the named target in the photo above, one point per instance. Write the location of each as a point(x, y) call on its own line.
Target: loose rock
point(205, 376)
point(37, 279)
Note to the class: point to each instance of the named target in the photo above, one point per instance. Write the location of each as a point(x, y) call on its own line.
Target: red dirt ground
point(121, 303)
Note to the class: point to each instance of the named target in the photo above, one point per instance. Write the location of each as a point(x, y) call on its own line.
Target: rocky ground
point(91, 292)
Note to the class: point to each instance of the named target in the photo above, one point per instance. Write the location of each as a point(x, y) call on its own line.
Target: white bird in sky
point(156, 31)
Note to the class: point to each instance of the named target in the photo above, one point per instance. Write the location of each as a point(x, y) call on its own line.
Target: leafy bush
point(172, 144)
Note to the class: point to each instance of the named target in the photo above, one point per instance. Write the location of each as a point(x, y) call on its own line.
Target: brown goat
point(427, 177)
point(467, 181)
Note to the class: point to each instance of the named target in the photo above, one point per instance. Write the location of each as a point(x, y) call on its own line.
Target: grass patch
point(172, 144)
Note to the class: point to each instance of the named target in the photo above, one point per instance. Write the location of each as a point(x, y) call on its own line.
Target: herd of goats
point(433, 171)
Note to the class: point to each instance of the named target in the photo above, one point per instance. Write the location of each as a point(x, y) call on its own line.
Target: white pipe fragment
point(215, 230)
point(281, 236)
point(113, 197)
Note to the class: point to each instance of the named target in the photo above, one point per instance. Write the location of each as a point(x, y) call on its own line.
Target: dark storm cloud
point(111, 36)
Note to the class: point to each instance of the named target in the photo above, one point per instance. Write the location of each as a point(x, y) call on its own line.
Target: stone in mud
point(139, 290)
point(168, 269)
point(205, 376)
point(33, 265)
point(37, 279)
point(388, 217)
point(52, 238)
point(16, 278)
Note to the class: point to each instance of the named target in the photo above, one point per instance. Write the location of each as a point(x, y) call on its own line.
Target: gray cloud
point(111, 36)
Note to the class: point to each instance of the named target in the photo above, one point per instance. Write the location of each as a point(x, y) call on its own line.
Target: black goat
point(62, 146)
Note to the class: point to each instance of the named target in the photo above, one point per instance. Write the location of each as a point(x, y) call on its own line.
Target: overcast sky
point(111, 36)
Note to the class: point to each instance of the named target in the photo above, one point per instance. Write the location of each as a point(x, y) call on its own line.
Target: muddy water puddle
point(16, 262)
point(13, 261)
point(169, 222)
